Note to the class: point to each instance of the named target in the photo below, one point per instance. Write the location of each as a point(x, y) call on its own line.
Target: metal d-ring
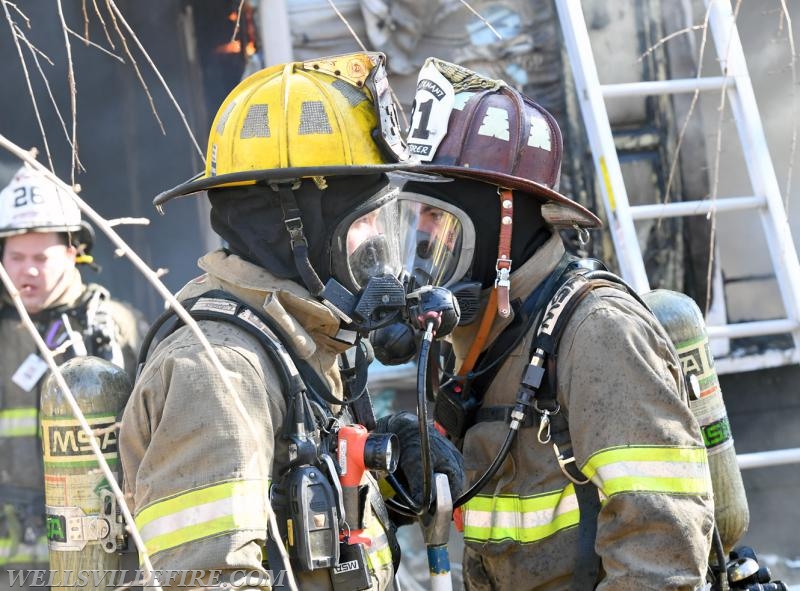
point(583, 235)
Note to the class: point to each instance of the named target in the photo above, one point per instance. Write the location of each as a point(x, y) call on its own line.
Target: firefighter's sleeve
point(635, 437)
point(196, 470)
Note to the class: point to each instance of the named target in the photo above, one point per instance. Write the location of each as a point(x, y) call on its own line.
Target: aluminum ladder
point(766, 198)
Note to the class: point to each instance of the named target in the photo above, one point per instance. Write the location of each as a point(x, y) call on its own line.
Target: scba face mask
point(438, 242)
point(437, 246)
point(412, 236)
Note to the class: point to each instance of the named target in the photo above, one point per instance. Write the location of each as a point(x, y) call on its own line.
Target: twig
point(695, 97)
point(482, 18)
point(238, 19)
point(711, 215)
point(347, 24)
point(103, 22)
point(136, 69)
point(95, 45)
point(129, 221)
point(27, 78)
point(160, 77)
point(85, 21)
point(12, 292)
point(34, 51)
point(73, 92)
point(672, 35)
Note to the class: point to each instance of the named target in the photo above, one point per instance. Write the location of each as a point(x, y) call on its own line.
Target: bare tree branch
point(136, 69)
point(119, 16)
point(73, 92)
point(95, 45)
point(238, 20)
point(103, 22)
point(484, 20)
point(12, 26)
point(35, 52)
point(184, 315)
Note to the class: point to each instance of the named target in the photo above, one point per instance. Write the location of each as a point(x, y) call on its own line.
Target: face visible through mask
point(439, 240)
point(372, 246)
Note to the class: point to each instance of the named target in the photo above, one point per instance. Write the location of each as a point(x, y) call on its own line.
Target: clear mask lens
point(432, 243)
point(372, 245)
point(413, 236)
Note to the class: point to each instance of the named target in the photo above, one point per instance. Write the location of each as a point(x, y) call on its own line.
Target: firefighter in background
point(43, 240)
point(615, 377)
point(296, 179)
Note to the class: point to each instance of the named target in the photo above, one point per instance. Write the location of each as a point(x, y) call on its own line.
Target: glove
point(445, 458)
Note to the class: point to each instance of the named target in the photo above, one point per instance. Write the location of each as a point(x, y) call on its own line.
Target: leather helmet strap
point(499, 298)
point(502, 283)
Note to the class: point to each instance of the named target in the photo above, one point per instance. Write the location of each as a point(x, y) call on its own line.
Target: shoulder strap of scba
point(101, 327)
point(556, 315)
point(219, 305)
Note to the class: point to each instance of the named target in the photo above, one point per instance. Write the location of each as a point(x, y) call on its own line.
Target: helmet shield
point(469, 126)
point(32, 203)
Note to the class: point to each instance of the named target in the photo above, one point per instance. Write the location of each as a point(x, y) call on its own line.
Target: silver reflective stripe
point(201, 513)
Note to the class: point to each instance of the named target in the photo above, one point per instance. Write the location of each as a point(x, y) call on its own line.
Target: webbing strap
point(480, 338)
point(559, 311)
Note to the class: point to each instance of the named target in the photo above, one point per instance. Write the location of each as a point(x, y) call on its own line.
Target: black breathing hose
point(407, 505)
point(490, 472)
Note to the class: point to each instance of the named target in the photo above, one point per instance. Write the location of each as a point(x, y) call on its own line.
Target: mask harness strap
point(293, 221)
point(499, 301)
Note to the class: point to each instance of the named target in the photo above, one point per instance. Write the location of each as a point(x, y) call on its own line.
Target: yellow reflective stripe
point(202, 513)
point(522, 519)
point(19, 422)
point(24, 553)
point(676, 470)
point(379, 553)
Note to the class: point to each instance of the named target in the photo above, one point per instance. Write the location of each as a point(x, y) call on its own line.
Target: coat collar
point(309, 323)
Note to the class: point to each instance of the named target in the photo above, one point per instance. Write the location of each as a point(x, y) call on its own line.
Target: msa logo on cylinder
point(66, 442)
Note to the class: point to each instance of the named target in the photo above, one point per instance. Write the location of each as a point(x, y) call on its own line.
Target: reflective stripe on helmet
point(19, 422)
point(197, 514)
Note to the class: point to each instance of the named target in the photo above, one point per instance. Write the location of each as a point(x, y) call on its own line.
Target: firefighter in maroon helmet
point(623, 499)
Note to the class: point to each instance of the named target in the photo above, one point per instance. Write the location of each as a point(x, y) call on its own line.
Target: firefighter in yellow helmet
point(296, 177)
point(586, 468)
point(43, 240)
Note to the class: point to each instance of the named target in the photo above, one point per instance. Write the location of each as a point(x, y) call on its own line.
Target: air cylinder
point(84, 527)
point(684, 323)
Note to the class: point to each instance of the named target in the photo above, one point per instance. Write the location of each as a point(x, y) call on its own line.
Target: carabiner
point(543, 435)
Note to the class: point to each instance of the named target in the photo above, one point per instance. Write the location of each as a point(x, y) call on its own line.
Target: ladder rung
point(685, 208)
point(755, 328)
point(775, 457)
point(674, 86)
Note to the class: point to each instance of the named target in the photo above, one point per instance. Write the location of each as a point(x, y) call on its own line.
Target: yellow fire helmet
point(318, 118)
